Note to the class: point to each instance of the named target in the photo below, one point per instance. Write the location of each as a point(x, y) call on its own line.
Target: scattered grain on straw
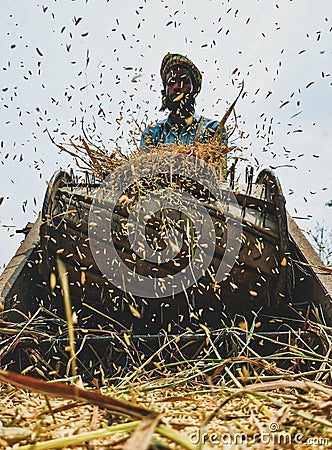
point(241, 401)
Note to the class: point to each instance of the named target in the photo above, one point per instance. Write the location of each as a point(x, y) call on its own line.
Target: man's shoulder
point(209, 123)
point(155, 126)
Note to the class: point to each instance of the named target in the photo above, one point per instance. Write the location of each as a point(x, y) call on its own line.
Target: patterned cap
point(171, 60)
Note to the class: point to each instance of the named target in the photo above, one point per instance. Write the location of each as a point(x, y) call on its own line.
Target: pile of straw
point(243, 401)
point(100, 162)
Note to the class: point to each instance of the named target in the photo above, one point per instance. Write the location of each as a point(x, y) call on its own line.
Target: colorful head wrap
point(171, 60)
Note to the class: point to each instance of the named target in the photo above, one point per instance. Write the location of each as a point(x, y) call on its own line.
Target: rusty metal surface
point(317, 282)
point(15, 280)
point(256, 281)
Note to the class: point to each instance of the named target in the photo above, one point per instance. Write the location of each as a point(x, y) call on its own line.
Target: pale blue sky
point(283, 51)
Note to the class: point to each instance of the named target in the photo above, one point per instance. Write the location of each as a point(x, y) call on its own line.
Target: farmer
point(182, 83)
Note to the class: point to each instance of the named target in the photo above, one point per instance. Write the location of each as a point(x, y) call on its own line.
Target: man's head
point(182, 82)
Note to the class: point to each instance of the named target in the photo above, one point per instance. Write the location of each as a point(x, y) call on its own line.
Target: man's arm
point(147, 140)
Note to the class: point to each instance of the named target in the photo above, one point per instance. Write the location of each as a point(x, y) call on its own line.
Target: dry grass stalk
point(63, 275)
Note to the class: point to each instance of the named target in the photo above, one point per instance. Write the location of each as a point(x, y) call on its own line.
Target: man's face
point(179, 87)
